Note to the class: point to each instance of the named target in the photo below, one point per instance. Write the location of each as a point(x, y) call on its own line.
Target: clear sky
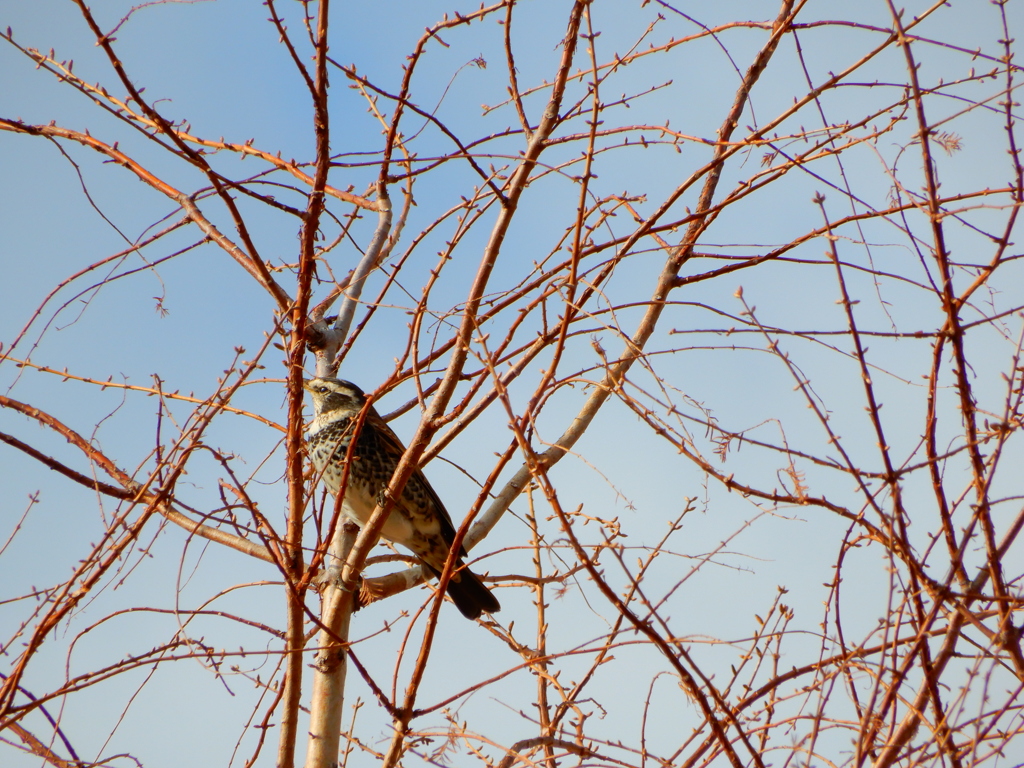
point(218, 66)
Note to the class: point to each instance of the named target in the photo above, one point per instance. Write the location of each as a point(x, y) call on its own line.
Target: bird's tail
point(470, 595)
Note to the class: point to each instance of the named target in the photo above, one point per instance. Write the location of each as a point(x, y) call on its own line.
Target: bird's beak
point(305, 385)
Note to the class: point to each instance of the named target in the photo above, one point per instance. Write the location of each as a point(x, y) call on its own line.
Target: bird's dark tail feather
point(470, 595)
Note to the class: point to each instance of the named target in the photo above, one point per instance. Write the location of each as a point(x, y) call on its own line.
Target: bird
point(418, 520)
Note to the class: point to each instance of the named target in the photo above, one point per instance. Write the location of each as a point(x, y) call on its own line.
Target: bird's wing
point(397, 448)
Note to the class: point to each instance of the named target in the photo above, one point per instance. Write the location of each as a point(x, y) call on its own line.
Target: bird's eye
point(322, 390)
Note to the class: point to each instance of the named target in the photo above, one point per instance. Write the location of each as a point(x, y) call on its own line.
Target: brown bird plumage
point(418, 520)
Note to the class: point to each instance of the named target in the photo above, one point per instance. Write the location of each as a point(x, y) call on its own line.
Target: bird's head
point(329, 395)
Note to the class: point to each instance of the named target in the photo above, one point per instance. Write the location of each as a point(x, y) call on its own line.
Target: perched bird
point(418, 519)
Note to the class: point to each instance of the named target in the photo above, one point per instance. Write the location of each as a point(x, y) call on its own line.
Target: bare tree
point(636, 318)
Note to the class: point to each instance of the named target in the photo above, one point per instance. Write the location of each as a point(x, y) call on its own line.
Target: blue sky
point(219, 66)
